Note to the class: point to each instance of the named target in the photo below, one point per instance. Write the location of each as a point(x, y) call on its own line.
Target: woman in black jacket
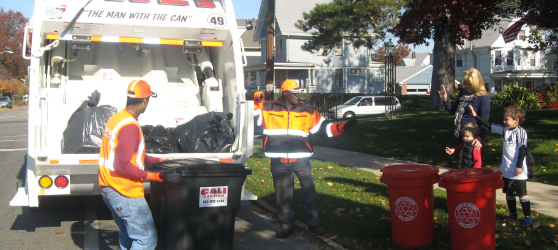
point(473, 93)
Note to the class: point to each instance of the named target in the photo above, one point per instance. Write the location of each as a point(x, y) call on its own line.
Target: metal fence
point(323, 102)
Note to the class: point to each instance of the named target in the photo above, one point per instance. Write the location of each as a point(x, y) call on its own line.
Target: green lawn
point(355, 209)
point(422, 138)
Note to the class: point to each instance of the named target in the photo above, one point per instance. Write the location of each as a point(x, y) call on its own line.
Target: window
point(509, 60)
point(458, 60)
point(498, 85)
point(379, 101)
point(339, 49)
point(356, 71)
point(533, 59)
point(521, 35)
point(278, 47)
point(365, 102)
point(321, 52)
point(338, 82)
point(497, 58)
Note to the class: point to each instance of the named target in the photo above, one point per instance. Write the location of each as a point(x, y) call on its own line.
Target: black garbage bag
point(84, 132)
point(159, 140)
point(211, 132)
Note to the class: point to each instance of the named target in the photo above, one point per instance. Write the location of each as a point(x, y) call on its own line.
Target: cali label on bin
point(406, 208)
point(214, 196)
point(467, 215)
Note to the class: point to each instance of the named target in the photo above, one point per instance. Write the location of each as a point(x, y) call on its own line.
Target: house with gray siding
point(347, 69)
point(502, 64)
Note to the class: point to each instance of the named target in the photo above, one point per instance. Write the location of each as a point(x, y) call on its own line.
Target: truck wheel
point(349, 115)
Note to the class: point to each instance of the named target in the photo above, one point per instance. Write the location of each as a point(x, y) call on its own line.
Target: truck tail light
point(205, 3)
point(45, 182)
point(61, 181)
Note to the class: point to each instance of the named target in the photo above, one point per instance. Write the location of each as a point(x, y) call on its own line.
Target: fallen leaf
point(551, 225)
point(528, 243)
point(536, 225)
point(355, 240)
point(330, 167)
point(384, 217)
point(333, 237)
point(435, 218)
point(339, 209)
point(242, 231)
point(330, 184)
point(60, 232)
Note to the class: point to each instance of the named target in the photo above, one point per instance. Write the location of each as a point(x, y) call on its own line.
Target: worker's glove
point(154, 176)
point(348, 124)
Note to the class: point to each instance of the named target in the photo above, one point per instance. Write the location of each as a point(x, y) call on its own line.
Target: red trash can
point(472, 206)
point(411, 202)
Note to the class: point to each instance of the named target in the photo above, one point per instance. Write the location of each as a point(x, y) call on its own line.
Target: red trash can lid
point(471, 174)
point(409, 170)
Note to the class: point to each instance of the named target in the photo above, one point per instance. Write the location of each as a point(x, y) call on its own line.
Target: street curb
point(319, 240)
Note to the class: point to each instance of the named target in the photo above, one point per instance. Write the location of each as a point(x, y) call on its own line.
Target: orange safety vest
point(132, 188)
point(286, 131)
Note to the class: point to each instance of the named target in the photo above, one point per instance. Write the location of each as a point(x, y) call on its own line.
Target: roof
point(287, 13)
point(404, 73)
point(418, 60)
point(488, 37)
point(248, 35)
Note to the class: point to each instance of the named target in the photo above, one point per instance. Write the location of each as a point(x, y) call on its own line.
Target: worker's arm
point(128, 144)
point(324, 128)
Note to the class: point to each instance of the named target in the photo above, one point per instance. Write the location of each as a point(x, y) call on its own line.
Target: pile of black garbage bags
point(211, 132)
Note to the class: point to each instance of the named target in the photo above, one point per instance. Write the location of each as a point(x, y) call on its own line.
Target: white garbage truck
point(189, 51)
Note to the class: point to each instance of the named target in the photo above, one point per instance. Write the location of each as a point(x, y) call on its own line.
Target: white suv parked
point(360, 106)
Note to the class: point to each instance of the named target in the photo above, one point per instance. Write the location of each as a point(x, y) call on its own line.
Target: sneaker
point(284, 233)
point(317, 230)
point(511, 217)
point(528, 221)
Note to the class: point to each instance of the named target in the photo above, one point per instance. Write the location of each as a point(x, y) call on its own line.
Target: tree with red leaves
point(400, 51)
point(448, 23)
point(11, 39)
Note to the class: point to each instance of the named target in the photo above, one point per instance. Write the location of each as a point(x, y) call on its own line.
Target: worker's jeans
point(284, 187)
point(133, 217)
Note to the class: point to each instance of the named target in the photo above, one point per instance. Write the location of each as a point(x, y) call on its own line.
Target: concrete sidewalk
point(544, 197)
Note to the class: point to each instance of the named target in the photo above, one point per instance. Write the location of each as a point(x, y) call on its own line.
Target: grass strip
point(354, 209)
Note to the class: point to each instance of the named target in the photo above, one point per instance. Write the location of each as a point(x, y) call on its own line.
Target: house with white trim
point(348, 69)
point(502, 64)
point(414, 75)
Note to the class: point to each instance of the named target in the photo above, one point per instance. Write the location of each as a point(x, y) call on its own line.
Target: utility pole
point(269, 62)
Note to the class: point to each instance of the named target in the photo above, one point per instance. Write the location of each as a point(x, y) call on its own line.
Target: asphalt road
point(79, 222)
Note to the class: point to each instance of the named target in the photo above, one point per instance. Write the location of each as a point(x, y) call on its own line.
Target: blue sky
point(244, 9)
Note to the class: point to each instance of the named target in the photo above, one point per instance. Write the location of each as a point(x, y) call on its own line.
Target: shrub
point(548, 97)
point(513, 94)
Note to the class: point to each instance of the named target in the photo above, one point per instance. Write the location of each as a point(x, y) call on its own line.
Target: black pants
point(284, 187)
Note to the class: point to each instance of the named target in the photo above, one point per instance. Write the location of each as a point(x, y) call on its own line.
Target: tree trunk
point(443, 71)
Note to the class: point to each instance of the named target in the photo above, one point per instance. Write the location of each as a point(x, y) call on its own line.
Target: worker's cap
point(140, 89)
point(292, 86)
point(259, 95)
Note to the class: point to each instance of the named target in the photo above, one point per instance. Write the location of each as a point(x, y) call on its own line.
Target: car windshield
point(3, 99)
point(353, 101)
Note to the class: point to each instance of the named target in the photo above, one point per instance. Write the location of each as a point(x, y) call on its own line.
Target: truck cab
point(189, 51)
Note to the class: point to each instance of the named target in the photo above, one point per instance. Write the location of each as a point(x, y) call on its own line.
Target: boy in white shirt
point(514, 164)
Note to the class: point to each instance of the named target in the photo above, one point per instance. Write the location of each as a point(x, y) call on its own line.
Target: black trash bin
point(195, 207)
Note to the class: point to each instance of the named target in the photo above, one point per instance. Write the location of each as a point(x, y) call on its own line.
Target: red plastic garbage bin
point(472, 206)
point(411, 202)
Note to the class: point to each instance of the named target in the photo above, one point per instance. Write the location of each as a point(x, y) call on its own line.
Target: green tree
point(448, 23)
point(362, 22)
point(542, 17)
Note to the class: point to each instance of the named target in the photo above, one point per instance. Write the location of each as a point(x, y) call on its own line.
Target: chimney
point(414, 55)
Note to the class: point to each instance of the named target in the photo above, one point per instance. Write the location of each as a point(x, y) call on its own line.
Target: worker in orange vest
point(121, 171)
point(259, 97)
point(287, 124)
